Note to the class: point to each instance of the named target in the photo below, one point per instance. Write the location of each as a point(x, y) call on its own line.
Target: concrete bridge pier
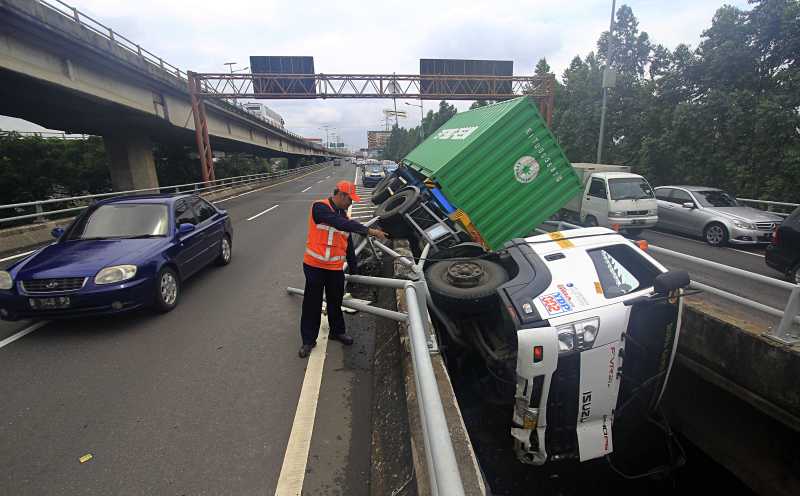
point(130, 157)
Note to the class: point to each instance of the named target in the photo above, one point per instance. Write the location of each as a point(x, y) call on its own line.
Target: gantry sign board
point(283, 65)
point(461, 67)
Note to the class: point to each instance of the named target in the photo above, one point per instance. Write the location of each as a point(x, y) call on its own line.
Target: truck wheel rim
point(714, 235)
point(169, 288)
point(464, 274)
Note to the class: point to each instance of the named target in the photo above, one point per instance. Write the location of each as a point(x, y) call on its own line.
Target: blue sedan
point(120, 254)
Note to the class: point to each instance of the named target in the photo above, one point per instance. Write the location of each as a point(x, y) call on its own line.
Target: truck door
point(595, 203)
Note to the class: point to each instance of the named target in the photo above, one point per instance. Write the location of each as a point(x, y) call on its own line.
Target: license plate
point(54, 303)
point(637, 222)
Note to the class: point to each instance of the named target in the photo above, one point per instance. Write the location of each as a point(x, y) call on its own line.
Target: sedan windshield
point(376, 169)
point(123, 220)
point(715, 198)
point(633, 188)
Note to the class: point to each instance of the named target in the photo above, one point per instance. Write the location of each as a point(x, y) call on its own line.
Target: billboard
point(283, 65)
point(376, 140)
point(462, 67)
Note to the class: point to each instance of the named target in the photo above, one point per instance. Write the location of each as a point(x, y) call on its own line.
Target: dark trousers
point(317, 280)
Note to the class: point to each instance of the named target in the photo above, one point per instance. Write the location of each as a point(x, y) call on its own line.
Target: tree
point(403, 140)
point(542, 67)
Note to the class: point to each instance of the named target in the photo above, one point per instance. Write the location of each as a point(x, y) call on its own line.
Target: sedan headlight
point(5, 280)
point(743, 225)
point(578, 336)
point(616, 214)
point(118, 273)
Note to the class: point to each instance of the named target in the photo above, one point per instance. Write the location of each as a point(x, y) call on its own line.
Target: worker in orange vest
point(328, 246)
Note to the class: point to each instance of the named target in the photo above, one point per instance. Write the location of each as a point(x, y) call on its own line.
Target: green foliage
point(724, 114)
point(403, 140)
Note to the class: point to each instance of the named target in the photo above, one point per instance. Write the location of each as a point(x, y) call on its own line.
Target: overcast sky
point(380, 37)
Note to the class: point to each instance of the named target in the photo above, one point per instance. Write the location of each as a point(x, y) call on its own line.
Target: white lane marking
point(306, 189)
point(18, 255)
point(321, 180)
point(293, 471)
point(327, 177)
point(256, 216)
point(23, 332)
point(266, 187)
point(747, 252)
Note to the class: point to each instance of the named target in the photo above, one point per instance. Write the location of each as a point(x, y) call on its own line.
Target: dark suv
point(783, 254)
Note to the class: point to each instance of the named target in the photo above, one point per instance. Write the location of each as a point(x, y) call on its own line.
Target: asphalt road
point(197, 401)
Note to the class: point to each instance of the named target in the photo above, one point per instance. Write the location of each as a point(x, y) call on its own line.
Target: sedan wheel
point(167, 290)
point(225, 251)
point(716, 235)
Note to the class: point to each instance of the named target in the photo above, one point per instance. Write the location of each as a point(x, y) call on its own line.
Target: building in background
point(376, 140)
point(262, 111)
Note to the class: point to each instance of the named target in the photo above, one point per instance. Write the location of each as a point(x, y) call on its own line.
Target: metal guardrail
point(771, 204)
point(789, 315)
point(443, 472)
point(199, 187)
point(46, 135)
point(120, 41)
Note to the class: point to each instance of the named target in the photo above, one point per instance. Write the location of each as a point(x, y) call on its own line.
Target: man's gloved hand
point(378, 234)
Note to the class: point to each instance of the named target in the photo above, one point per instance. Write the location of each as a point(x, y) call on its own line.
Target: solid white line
point(256, 216)
point(12, 257)
point(293, 470)
point(327, 177)
point(748, 252)
point(306, 189)
point(23, 332)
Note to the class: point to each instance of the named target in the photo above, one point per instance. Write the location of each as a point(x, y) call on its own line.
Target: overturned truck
point(572, 332)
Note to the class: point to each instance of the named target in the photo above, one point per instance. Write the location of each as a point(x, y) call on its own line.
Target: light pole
point(421, 118)
point(608, 82)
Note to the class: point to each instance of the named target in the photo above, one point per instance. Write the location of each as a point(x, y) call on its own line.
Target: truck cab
point(570, 328)
point(612, 196)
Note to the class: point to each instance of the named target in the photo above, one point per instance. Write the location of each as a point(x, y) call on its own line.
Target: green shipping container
point(501, 165)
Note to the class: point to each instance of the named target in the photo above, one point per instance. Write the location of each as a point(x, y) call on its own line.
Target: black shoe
point(305, 350)
point(342, 338)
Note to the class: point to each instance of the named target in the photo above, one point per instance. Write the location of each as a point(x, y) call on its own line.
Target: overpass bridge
point(63, 70)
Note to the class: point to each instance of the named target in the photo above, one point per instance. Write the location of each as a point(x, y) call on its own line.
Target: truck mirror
point(671, 281)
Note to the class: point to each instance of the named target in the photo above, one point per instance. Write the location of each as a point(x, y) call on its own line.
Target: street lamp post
point(421, 118)
point(608, 82)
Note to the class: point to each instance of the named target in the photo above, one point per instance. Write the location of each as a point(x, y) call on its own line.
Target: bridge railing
point(77, 203)
point(783, 208)
point(119, 40)
point(790, 314)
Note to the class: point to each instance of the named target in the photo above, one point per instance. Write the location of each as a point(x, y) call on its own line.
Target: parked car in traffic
point(783, 253)
point(120, 254)
point(714, 215)
point(372, 175)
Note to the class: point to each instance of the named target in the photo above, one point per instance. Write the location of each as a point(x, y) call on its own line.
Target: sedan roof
point(166, 199)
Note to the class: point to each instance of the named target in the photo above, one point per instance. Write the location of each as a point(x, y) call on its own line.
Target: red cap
point(349, 188)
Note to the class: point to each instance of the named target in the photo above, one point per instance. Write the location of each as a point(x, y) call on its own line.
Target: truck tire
point(398, 204)
point(465, 286)
point(382, 190)
point(590, 221)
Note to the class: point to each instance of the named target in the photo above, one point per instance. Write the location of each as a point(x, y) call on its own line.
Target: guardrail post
point(785, 333)
point(40, 211)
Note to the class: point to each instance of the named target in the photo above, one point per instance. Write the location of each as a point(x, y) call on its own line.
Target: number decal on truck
point(555, 304)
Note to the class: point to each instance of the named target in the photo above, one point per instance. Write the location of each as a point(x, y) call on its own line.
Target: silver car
point(712, 214)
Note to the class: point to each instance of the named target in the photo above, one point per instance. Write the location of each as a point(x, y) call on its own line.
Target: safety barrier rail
point(46, 135)
point(199, 187)
point(100, 29)
point(443, 472)
point(789, 315)
point(771, 204)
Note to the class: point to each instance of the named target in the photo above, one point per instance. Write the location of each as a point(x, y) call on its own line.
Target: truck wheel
point(465, 286)
point(398, 204)
point(381, 192)
point(590, 221)
point(715, 234)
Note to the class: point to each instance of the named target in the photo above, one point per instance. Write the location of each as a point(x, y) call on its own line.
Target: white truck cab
point(580, 323)
point(611, 196)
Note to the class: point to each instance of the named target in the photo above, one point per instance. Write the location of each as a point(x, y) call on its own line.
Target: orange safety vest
point(326, 246)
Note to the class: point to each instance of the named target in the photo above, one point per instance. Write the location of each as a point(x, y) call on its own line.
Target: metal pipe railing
point(217, 185)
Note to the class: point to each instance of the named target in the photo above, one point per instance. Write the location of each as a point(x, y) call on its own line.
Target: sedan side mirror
point(689, 205)
point(57, 232)
point(185, 228)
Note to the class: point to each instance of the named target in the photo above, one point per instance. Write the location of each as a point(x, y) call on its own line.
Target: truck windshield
point(715, 198)
point(123, 220)
point(622, 270)
point(629, 188)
